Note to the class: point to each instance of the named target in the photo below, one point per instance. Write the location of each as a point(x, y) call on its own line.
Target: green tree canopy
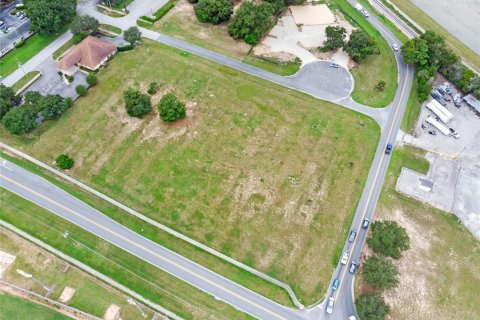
point(91, 79)
point(53, 106)
point(32, 97)
point(415, 51)
point(371, 306)
point(7, 99)
point(380, 272)
point(251, 21)
point(49, 16)
point(388, 238)
point(84, 26)
point(214, 11)
point(335, 38)
point(360, 45)
point(20, 120)
point(132, 35)
point(137, 103)
point(171, 109)
point(64, 161)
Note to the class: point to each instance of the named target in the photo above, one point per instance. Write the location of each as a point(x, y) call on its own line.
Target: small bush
point(19, 43)
point(127, 47)
point(81, 90)
point(136, 103)
point(380, 86)
point(64, 162)
point(171, 109)
point(91, 79)
point(152, 88)
point(69, 78)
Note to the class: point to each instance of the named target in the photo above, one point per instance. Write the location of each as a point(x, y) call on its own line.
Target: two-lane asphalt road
point(344, 299)
point(61, 203)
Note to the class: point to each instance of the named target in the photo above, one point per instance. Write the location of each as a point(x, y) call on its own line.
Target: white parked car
point(344, 258)
point(352, 318)
point(395, 47)
point(331, 301)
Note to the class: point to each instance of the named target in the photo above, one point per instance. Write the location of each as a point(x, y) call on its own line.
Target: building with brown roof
point(91, 53)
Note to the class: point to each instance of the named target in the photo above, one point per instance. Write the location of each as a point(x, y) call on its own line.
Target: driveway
point(51, 83)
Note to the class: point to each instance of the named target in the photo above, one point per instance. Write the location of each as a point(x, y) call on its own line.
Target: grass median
point(24, 80)
point(261, 173)
point(141, 277)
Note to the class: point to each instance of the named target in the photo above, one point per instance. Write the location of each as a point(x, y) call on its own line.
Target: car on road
point(1, 23)
point(352, 318)
point(344, 258)
point(331, 302)
point(334, 65)
point(353, 267)
point(352, 236)
point(389, 148)
point(365, 223)
point(365, 13)
point(395, 47)
point(335, 284)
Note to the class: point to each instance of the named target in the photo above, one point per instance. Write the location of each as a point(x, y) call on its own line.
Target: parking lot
point(13, 27)
point(453, 181)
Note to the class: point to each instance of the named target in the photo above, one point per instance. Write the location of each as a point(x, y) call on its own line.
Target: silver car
point(331, 302)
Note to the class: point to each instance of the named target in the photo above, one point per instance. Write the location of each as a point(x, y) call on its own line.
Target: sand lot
point(459, 17)
point(299, 33)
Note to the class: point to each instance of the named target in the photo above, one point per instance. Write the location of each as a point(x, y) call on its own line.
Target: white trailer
point(430, 106)
point(443, 109)
point(438, 125)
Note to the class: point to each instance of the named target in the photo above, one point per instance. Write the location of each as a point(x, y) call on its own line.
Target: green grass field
point(440, 273)
point(412, 110)
point(32, 46)
point(24, 80)
point(90, 296)
point(67, 45)
point(16, 308)
point(375, 68)
point(141, 277)
point(251, 165)
point(427, 23)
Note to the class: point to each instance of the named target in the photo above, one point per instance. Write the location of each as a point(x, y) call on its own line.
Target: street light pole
point(134, 303)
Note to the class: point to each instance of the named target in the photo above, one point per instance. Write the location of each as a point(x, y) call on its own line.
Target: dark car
point(334, 65)
point(365, 223)
point(389, 148)
point(353, 267)
point(352, 236)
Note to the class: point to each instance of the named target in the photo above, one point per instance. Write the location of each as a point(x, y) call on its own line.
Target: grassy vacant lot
point(32, 46)
point(428, 23)
point(24, 80)
point(90, 296)
point(143, 278)
point(440, 273)
point(15, 308)
point(266, 175)
point(180, 22)
point(374, 68)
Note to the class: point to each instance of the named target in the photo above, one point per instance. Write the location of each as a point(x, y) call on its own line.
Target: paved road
point(344, 306)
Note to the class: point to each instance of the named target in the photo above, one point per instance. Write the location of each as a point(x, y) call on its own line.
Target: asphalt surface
point(48, 196)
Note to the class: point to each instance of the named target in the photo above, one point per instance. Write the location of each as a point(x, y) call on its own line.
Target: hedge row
point(160, 12)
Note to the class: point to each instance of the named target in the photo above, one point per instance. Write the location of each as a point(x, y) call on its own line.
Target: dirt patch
point(312, 15)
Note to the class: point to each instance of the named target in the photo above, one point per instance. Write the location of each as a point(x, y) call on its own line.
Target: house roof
point(89, 53)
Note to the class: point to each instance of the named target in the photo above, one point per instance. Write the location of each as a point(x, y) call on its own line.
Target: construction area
point(450, 134)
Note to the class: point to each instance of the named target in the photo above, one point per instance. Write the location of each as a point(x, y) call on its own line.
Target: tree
point(64, 161)
point(214, 11)
point(84, 26)
point(20, 120)
point(91, 79)
point(371, 306)
point(335, 38)
point(81, 90)
point(32, 97)
point(415, 51)
point(7, 99)
point(388, 238)
point(53, 106)
point(380, 272)
point(251, 21)
point(136, 103)
point(171, 109)
point(380, 86)
point(49, 16)
point(132, 35)
point(278, 6)
point(360, 45)
point(438, 52)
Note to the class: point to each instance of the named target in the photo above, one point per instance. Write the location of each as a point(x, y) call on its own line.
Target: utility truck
point(443, 109)
point(432, 107)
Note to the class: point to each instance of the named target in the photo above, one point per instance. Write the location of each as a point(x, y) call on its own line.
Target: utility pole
point(29, 276)
point(134, 303)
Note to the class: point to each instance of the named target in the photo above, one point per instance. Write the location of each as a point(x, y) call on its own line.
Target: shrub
point(251, 21)
point(32, 97)
point(380, 273)
point(69, 78)
point(388, 238)
point(192, 1)
point(136, 103)
point(127, 47)
point(81, 90)
point(7, 99)
point(132, 35)
point(64, 161)
point(152, 88)
point(380, 86)
point(19, 43)
point(213, 11)
point(91, 79)
point(371, 306)
point(171, 109)
point(20, 120)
